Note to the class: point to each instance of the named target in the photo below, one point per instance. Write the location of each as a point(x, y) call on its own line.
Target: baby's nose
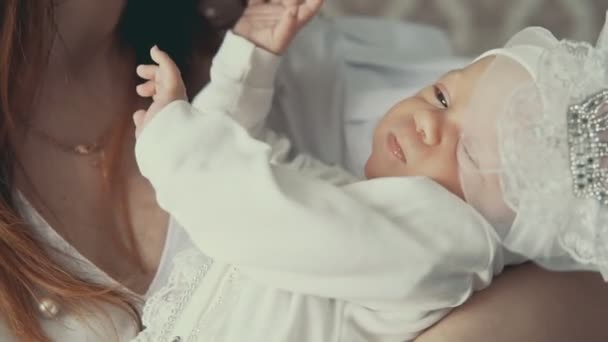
point(428, 125)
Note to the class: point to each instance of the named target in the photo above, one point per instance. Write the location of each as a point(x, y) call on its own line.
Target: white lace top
point(296, 251)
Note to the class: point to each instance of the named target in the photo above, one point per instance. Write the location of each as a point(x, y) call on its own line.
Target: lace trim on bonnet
point(552, 148)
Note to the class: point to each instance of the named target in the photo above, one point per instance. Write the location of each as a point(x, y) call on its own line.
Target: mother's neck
point(87, 36)
point(90, 78)
point(90, 61)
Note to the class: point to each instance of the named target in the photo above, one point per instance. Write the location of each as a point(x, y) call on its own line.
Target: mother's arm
point(530, 304)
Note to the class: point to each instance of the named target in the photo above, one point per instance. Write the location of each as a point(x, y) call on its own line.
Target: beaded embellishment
point(588, 142)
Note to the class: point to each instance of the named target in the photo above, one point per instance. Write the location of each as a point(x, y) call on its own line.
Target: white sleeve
point(242, 87)
point(242, 83)
point(306, 235)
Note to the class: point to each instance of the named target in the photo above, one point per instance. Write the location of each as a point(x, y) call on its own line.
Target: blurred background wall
point(477, 25)
point(473, 25)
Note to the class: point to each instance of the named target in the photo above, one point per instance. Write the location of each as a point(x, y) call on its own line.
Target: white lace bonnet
point(534, 149)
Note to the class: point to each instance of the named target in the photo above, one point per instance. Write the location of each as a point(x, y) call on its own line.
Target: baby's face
point(419, 135)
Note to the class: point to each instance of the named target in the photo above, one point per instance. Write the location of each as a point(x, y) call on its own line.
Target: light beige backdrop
point(476, 25)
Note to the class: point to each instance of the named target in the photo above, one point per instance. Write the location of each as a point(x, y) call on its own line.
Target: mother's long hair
point(27, 266)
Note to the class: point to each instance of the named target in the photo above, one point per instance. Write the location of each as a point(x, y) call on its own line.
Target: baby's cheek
point(373, 166)
point(451, 174)
point(442, 167)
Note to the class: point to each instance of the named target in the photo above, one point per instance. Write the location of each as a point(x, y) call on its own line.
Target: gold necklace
point(96, 148)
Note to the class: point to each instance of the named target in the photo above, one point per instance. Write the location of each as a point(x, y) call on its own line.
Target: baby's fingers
point(286, 28)
point(139, 117)
point(147, 72)
point(168, 69)
point(147, 89)
point(308, 10)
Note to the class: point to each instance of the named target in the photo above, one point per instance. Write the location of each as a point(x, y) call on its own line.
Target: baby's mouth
point(395, 148)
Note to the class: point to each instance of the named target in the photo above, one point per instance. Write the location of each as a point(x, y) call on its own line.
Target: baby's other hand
point(163, 84)
point(272, 24)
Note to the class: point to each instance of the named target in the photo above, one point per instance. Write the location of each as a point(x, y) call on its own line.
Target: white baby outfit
point(296, 252)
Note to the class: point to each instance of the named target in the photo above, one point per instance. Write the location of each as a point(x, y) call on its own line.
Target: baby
point(298, 251)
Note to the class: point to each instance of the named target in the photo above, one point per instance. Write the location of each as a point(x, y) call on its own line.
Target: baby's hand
point(272, 24)
point(163, 84)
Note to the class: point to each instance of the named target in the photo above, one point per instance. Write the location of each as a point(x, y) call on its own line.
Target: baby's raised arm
point(270, 25)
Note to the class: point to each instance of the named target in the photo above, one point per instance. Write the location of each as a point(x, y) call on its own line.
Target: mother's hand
point(530, 304)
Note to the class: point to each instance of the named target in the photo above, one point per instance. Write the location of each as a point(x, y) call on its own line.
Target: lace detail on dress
point(209, 322)
point(165, 307)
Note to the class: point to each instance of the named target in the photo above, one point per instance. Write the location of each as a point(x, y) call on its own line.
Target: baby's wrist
point(277, 50)
point(240, 60)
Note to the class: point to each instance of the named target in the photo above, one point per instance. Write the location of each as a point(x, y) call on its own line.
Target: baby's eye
point(440, 96)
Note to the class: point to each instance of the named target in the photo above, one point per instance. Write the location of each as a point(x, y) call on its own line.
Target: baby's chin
point(368, 170)
point(376, 168)
point(371, 169)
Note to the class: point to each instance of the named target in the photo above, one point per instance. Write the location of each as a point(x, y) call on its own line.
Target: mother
point(66, 95)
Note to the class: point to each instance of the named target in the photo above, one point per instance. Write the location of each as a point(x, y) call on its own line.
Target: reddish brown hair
point(27, 268)
point(26, 265)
